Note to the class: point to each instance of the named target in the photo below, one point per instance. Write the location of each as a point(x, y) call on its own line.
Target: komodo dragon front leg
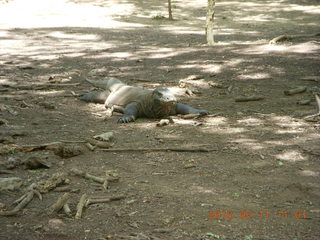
point(130, 113)
point(184, 109)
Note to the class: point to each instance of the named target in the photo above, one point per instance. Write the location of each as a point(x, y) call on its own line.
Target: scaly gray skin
point(136, 102)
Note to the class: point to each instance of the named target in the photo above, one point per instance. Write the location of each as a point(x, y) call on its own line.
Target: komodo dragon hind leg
point(95, 97)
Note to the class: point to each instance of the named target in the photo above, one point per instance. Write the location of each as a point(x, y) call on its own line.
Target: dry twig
point(317, 114)
point(59, 204)
point(103, 200)
point(66, 209)
point(87, 175)
point(80, 206)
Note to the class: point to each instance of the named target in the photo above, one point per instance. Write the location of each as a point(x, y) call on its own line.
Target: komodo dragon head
point(163, 101)
point(163, 96)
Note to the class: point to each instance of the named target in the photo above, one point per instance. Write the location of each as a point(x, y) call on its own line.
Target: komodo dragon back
point(108, 83)
point(121, 94)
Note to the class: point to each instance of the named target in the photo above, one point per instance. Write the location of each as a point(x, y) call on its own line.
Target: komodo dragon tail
point(108, 83)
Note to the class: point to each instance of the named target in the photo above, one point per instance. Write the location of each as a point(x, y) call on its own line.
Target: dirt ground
point(259, 181)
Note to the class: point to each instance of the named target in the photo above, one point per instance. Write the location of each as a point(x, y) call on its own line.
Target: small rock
point(47, 105)
point(131, 201)
point(163, 122)
point(189, 166)
point(67, 151)
point(35, 163)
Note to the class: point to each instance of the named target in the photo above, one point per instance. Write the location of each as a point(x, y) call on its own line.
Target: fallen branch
point(311, 78)
point(87, 175)
point(59, 204)
point(158, 150)
point(90, 146)
point(25, 201)
point(295, 91)
point(104, 200)
point(66, 209)
point(36, 192)
point(9, 213)
point(66, 189)
point(317, 114)
point(80, 206)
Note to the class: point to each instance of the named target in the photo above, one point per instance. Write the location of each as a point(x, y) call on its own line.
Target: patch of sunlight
point(255, 18)
point(51, 93)
point(63, 13)
point(250, 121)
point(40, 56)
point(307, 47)
point(291, 156)
point(119, 55)
point(6, 81)
point(41, 47)
point(255, 76)
point(217, 121)
point(185, 30)
point(232, 31)
point(249, 143)
point(164, 53)
point(276, 143)
point(309, 173)
point(225, 130)
point(185, 122)
point(4, 34)
point(75, 54)
point(192, 3)
point(199, 189)
point(305, 9)
point(287, 121)
point(289, 131)
point(209, 68)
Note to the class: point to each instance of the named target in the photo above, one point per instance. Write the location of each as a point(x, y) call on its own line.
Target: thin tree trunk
point(210, 22)
point(170, 10)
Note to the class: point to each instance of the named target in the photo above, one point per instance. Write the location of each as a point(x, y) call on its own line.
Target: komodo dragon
point(136, 102)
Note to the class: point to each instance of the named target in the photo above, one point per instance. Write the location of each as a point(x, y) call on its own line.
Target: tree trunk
point(170, 10)
point(210, 22)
